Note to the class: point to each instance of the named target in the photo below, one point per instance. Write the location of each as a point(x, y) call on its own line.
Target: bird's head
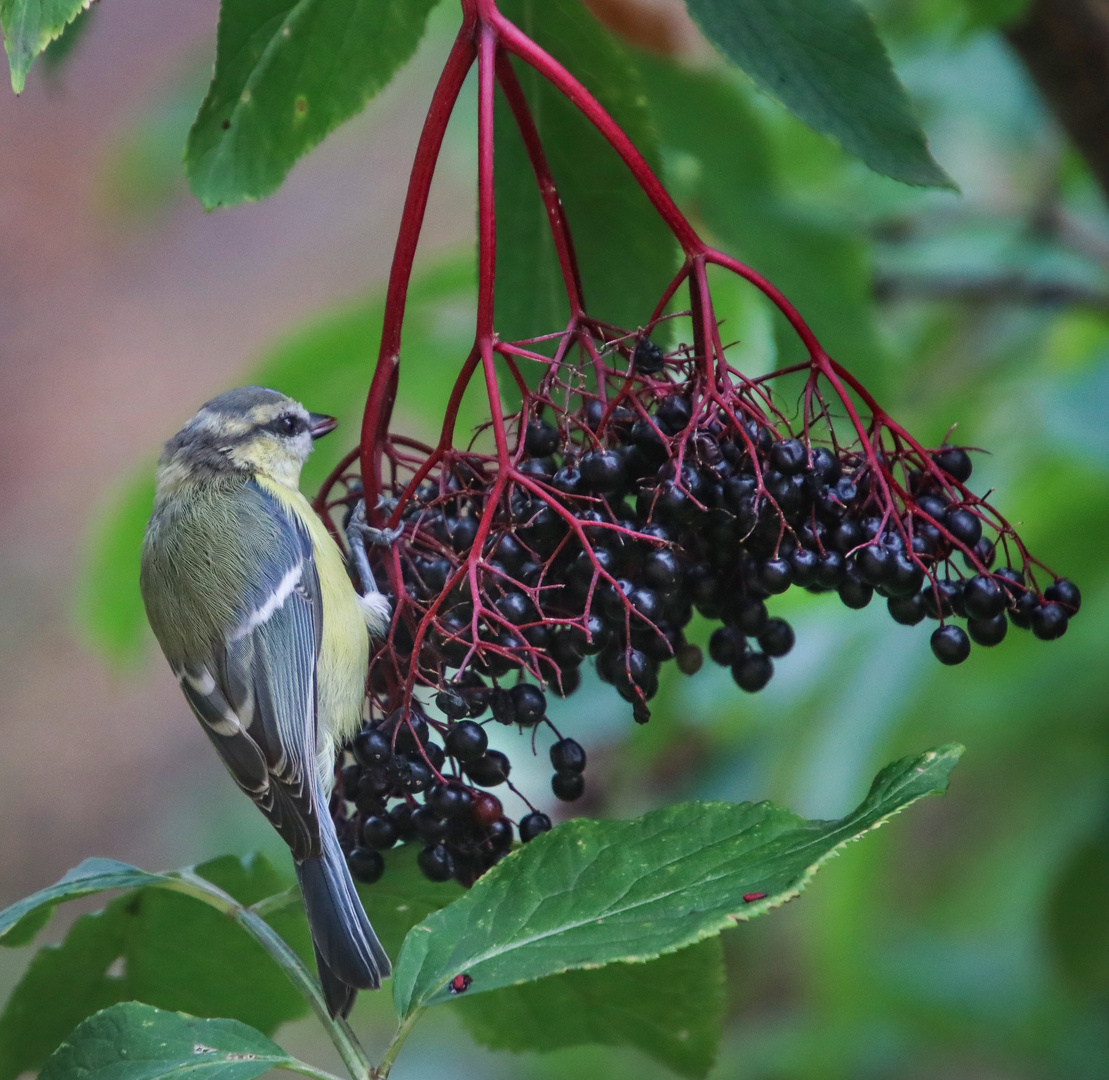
point(248, 430)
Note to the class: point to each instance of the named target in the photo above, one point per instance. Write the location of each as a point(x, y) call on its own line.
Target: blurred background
point(969, 938)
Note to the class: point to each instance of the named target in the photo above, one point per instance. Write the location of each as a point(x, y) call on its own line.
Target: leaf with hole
point(132, 1041)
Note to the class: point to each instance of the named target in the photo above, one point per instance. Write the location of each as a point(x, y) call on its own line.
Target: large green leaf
point(823, 60)
point(626, 254)
point(288, 72)
point(670, 1008)
point(136, 1042)
point(29, 26)
point(161, 948)
point(591, 893)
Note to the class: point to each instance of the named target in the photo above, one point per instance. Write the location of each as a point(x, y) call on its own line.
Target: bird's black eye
point(288, 424)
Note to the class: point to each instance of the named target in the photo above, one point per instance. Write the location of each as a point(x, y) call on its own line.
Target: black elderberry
point(671, 504)
point(540, 439)
point(1020, 612)
point(569, 680)
point(515, 607)
point(854, 592)
point(531, 825)
point(568, 755)
point(875, 564)
point(831, 571)
point(1064, 592)
point(748, 615)
point(825, 466)
point(661, 570)
point(427, 824)
point(602, 471)
point(463, 533)
point(374, 783)
point(498, 833)
point(568, 480)
point(804, 564)
point(752, 671)
point(379, 831)
point(983, 598)
point(950, 644)
point(489, 770)
point(466, 741)
point(436, 863)
point(401, 817)
point(788, 456)
point(451, 704)
point(348, 781)
point(964, 525)
point(411, 735)
point(775, 576)
point(727, 645)
point(529, 704)
point(932, 505)
point(954, 461)
point(906, 610)
point(568, 786)
point(674, 414)
point(844, 537)
point(1049, 621)
point(940, 597)
point(648, 358)
point(689, 658)
point(413, 776)
point(989, 631)
point(449, 800)
point(486, 808)
point(776, 638)
point(646, 602)
point(371, 747)
point(502, 706)
point(366, 865)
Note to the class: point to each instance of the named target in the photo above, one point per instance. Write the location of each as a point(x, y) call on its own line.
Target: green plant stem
point(350, 1050)
point(305, 1069)
point(391, 1051)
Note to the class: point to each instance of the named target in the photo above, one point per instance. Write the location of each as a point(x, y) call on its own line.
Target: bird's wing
point(255, 690)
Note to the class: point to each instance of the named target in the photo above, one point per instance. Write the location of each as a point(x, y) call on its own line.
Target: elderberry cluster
point(626, 512)
point(399, 784)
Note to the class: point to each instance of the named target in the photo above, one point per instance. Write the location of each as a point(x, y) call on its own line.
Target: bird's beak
point(319, 424)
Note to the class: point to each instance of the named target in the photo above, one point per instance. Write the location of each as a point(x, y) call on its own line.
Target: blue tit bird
point(250, 600)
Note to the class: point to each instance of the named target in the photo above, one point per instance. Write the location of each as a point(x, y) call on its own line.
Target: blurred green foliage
point(969, 941)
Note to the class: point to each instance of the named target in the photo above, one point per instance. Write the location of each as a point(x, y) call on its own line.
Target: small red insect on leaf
point(460, 983)
point(751, 897)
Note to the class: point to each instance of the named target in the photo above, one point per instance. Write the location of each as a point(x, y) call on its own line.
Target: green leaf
point(159, 947)
point(29, 26)
point(20, 922)
point(137, 1042)
point(671, 1008)
point(823, 60)
point(327, 363)
point(288, 72)
point(58, 51)
point(591, 893)
point(626, 254)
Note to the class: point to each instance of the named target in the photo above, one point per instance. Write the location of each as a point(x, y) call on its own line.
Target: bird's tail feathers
point(346, 946)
